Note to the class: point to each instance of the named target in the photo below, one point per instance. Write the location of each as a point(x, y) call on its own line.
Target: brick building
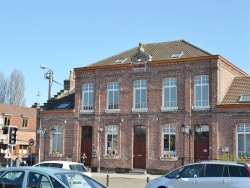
point(25, 121)
point(154, 106)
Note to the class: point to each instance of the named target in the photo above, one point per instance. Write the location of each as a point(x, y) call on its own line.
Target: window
point(176, 55)
point(244, 98)
point(7, 120)
point(243, 140)
point(112, 140)
point(192, 171)
point(201, 92)
point(168, 139)
point(57, 139)
point(216, 170)
point(169, 94)
point(23, 149)
point(25, 122)
point(64, 105)
point(140, 95)
point(238, 171)
point(113, 96)
point(120, 61)
point(88, 98)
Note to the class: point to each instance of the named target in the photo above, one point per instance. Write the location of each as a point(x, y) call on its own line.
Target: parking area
point(123, 180)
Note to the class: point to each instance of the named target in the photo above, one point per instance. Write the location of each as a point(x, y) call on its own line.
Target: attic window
point(244, 98)
point(176, 55)
point(63, 105)
point(121, 60)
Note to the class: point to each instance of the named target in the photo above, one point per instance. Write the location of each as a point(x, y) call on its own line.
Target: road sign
point(31, 142)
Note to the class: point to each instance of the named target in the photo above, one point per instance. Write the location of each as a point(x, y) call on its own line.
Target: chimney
point(141, 48)
point(70, 83)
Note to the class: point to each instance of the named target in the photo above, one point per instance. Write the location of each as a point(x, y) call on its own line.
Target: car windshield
point(75, 180)
point(78, 167)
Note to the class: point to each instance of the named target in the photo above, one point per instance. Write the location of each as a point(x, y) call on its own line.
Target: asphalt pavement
point(127, 180)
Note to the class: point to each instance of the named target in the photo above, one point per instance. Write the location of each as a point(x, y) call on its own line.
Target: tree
point(3, 88)
point(12, 89)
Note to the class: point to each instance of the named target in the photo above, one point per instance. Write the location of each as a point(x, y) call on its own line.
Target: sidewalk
point(127, 180)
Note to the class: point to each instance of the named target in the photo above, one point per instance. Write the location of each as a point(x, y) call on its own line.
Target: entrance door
point(201, 144)
point(139, 160)
point(86, 145)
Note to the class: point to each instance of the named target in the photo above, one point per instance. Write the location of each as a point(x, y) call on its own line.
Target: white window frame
point(201, 81)
point(89, 90)
point(111, 130)
point(171, 85)
point(113, 90)
point(141, 86)
point(56, 141)
point(243, 129)
point(168, 130)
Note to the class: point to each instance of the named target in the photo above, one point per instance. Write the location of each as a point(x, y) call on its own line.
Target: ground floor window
point(112, 140)
point(23, 149)
point(168, 140)
point(243, 139)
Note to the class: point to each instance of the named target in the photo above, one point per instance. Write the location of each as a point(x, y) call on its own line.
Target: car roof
point(222, 162)
point(62, 162)
point(39, 169)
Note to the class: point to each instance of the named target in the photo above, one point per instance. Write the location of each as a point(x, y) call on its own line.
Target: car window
point(43, 164)
point(37, 180)
point(56, 165)
point(78, 167)
point(56, 183)
point(238, 171)
point(12, 178)
point(174, 173)
point(192, 171)
point(215, 170)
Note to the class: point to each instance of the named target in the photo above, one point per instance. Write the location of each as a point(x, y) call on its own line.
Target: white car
point(205, 174)
point(65, 165)
point(34, 177)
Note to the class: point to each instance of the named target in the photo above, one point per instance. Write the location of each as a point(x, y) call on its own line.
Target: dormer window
point(120, 61)
point(244, 98)
point(176, 55)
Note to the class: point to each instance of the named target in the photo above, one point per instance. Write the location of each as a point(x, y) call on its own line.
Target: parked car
point(65, 165)
point(205, 174)
point(23, 177)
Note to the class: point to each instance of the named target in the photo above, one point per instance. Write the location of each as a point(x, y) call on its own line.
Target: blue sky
point(64, 34)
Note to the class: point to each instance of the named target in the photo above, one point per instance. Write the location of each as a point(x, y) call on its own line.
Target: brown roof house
point(23, 119)
point(152, 107)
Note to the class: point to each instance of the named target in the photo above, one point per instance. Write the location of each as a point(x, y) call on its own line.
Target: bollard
point(107, 180)
point(147, 179)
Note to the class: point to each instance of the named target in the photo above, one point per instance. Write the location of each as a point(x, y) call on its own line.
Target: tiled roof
point(158, 51)
point(239, 86)
point(18, 110)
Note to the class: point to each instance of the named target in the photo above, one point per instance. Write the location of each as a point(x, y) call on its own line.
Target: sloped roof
point(18, 110)
point(68, 99)
point(239, 86)
point(158, 51)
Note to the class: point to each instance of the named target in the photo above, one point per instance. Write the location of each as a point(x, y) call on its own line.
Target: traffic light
point(5, 130)
point(12, 136)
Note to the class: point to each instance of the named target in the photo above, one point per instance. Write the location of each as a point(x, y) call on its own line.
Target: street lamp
point(41, 131)
point(187, 131)
point(48, 76)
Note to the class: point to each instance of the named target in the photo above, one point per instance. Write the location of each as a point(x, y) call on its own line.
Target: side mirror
point(178, 176)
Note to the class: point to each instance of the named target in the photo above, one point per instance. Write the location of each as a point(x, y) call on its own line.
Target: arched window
point(57, 139)
point(201, 92)
point(168, 140)
point(112, 140)
point(169, 101)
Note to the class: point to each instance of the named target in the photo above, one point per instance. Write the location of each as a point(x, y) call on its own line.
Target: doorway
point(139, 152)
point(201, 144)
point(86, 144)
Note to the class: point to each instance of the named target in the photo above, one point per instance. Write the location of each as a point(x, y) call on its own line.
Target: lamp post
point(187, 131)
point(49, 76)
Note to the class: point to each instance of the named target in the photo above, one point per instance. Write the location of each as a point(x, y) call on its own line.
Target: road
point(123, 180)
